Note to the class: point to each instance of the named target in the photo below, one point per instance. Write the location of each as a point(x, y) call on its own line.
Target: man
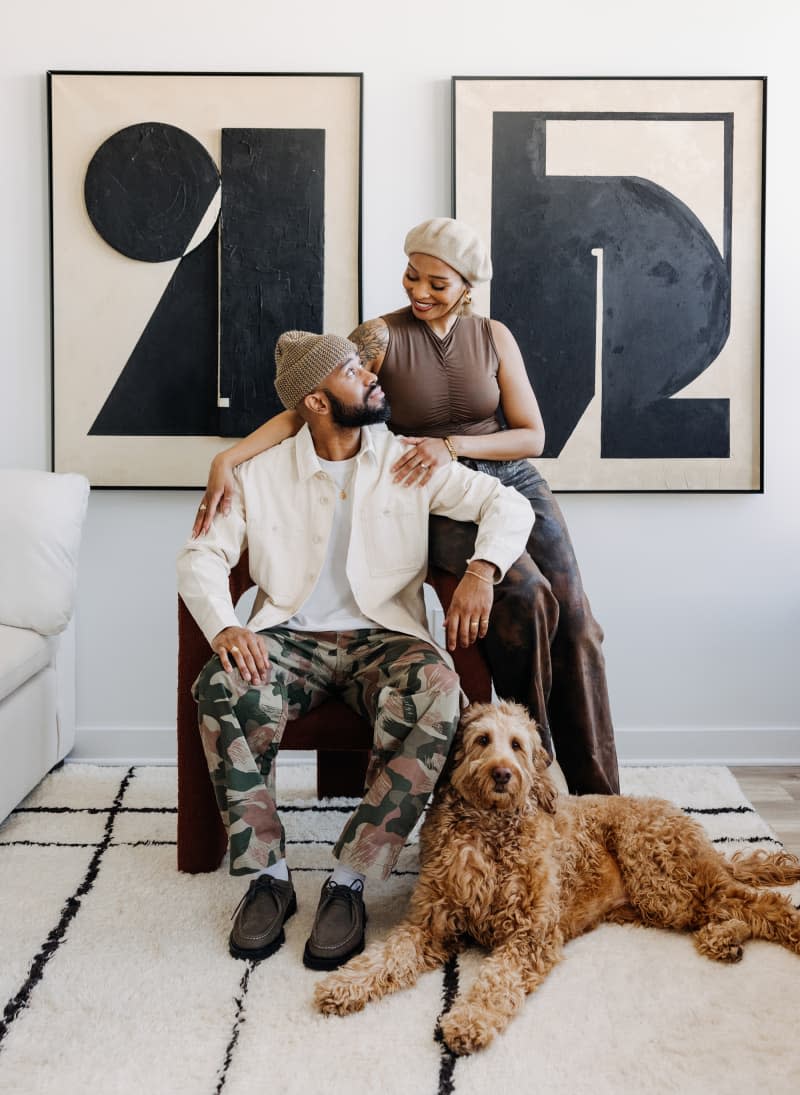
point(338, 551)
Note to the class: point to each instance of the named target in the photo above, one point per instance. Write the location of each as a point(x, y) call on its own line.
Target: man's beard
point(359, 414)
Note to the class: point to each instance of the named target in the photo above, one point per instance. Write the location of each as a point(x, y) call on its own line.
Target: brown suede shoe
point(259, 917)
point(338, 931)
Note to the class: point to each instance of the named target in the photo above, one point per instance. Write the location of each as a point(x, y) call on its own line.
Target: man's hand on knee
point(240, 648)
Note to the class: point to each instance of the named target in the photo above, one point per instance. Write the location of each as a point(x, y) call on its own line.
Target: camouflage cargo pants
point(399, 683)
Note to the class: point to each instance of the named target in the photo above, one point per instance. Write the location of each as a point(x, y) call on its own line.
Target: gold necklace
point(343, 491)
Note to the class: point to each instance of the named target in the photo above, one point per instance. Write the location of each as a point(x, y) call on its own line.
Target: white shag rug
point(116, 978)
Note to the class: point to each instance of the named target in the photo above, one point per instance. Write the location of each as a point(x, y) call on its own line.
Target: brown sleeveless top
point(438, 386)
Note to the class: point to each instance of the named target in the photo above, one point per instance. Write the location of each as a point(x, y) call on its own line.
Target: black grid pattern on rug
point(58, 937)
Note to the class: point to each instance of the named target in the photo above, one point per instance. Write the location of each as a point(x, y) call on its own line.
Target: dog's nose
point(501, 775)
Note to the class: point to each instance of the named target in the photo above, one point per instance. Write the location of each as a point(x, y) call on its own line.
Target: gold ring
point(484, 619)
point(235, 650)
point(202, 507)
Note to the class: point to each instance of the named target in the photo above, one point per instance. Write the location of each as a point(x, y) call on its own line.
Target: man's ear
point(315, 403)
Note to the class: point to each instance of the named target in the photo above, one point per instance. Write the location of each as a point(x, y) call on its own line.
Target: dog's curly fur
point(507, 862)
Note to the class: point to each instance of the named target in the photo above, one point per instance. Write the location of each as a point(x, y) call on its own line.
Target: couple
point(339, 551)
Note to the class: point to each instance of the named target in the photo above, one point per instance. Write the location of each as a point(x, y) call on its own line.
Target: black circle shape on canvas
point(147, 189)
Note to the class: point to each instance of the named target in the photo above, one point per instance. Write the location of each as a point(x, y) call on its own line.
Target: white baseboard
point(768, 745)
point(124, 745)
point(762, 745)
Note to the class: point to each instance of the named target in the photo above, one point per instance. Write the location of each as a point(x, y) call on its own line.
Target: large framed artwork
point(626, 223)
point(194, 217)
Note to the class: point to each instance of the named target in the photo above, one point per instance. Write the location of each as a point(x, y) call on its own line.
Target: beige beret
point(303, 360)
point(455, 243)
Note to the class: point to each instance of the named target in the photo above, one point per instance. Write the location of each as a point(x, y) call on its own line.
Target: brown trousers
point(544, 646)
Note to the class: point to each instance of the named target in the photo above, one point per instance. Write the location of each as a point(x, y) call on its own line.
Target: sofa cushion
point(22, 654)
point(40, 529)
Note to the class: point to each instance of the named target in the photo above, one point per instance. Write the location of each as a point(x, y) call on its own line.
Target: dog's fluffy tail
point(765, 868)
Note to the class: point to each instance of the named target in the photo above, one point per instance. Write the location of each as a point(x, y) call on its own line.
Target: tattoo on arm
point(372, 339)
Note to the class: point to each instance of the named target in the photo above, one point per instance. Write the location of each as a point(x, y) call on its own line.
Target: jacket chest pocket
point(277, 552)
point(397, 539)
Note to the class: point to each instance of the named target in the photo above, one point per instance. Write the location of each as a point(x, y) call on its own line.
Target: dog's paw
point(339, 995)
point(464, 1031)
point(722, 942)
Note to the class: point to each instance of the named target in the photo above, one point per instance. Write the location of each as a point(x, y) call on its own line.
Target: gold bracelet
point(480, 577)
point(450, 448)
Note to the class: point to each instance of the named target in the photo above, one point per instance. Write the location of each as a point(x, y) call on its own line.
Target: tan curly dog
point(507, 862)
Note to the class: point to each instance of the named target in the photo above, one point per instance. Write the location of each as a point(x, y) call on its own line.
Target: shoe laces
point(338, 891)
point(263, 882)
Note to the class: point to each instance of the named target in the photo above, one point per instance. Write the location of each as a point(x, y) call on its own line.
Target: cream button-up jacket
point(282, 511)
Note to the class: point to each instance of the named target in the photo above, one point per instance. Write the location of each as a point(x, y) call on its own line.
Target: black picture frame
point(194, 216)
point(626, 222)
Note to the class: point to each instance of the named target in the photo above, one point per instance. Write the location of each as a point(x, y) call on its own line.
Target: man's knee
point(442, 682)
point(442, 687)
point(211, 676)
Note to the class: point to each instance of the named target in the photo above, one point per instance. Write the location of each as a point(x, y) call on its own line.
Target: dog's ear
point(541, 758)
point(473, 712)
point(545, 792)
point(543, 788)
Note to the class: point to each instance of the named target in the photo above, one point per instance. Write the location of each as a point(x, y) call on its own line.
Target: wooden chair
point(341, 738)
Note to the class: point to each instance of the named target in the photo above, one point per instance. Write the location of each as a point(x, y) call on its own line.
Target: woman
point(459, 390)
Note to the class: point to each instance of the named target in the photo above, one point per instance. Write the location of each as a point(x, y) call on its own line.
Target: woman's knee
point(525, 592)
point(577, 623)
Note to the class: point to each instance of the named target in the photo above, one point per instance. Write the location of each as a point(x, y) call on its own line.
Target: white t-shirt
point(331, 605)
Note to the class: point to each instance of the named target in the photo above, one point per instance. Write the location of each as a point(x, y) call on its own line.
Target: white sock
point(277, 870)
point(343, 876)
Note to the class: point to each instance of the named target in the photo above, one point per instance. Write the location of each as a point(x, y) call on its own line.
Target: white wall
point(699, 595)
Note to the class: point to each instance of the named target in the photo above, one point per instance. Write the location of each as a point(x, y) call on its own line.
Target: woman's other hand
point(219, 492)
point(421, 459)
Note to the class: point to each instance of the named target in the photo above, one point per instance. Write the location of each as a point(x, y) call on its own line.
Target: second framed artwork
point(625, 218)
point(195, 216)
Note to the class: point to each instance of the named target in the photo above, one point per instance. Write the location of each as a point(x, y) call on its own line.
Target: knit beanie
point(455, 243)
point(303, 360)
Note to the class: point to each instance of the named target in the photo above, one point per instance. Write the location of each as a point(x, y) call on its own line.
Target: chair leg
point(202, 839)
point(341, 772)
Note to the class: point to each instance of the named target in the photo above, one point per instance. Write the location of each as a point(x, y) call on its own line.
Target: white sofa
point(41, 521)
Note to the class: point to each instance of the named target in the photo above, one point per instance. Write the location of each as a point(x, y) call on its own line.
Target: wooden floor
point(775, 793)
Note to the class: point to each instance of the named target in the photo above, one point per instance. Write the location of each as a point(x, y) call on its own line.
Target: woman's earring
point(468, 297)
